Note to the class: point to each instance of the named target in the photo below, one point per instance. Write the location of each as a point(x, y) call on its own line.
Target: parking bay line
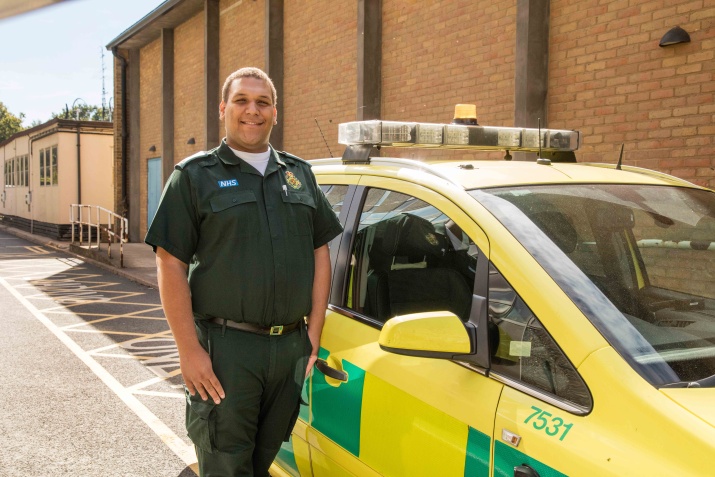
point(184, 452)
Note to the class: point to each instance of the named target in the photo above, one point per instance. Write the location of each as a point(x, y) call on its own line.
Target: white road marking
point(184, 452)
point(152, 381)
point(161, 394)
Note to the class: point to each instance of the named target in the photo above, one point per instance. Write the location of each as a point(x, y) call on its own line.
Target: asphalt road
point(89, 375)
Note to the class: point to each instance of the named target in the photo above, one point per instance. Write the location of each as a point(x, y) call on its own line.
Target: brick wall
point(149, 118)
point(242, 38)
point(609, 78)
point(189, 84)
point(320, 75)
point(438, 54)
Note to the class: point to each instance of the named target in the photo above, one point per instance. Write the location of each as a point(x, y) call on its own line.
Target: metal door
point(153, 187)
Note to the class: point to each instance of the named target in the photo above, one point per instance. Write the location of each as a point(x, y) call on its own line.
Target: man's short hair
point(248, 72)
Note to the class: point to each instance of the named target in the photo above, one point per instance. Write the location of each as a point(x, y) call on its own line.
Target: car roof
point(470, 174)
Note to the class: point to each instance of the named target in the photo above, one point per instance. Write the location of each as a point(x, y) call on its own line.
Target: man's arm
point(321, 290)
point(176, 299)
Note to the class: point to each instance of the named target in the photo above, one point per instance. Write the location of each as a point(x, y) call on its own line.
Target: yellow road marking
point(127, 333)
point(113, 317)
point(121, 356)
point(38, 250)
point(161, 334)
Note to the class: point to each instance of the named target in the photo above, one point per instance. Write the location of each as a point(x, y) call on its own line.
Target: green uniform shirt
point(248, 239)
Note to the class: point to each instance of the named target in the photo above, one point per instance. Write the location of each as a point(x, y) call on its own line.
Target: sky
point(52, 56)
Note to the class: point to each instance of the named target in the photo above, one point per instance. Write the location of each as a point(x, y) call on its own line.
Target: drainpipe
point(123, 63)
point(79, 169)
point(29, 189)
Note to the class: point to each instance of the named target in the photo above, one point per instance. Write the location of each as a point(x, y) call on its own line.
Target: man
point(249, 228)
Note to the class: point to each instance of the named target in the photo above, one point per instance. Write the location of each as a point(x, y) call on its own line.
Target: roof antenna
point(324, 140)
point(620, 158)
point(539, 159)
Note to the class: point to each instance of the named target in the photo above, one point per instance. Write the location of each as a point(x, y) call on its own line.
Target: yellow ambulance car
point(509, 318)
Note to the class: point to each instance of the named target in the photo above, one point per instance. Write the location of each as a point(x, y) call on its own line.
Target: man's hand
point(321, 289)
point(315, 342)
point(176, 299)
point(199, 375)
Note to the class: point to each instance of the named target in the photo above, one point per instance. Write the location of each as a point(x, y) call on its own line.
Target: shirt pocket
point(236, 212)
point(300, 208)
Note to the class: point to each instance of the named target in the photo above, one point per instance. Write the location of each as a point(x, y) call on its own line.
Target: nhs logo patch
point(229, 183)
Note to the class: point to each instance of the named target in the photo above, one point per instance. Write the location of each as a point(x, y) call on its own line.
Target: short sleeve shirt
point(249, 239)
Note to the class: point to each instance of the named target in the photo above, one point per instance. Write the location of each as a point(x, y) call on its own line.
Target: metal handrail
point(116, 227)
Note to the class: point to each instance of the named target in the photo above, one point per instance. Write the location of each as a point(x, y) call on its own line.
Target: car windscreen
point(638, 260)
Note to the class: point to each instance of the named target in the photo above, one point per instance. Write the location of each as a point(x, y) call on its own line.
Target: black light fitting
point(674, 36)
point(152, 148)
point(191, 141)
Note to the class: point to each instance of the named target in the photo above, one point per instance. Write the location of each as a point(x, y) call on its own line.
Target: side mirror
point(434, 334)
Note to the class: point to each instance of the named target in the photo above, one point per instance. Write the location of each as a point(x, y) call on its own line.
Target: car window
point(335, 195)
point(524, 351)
point(409, 257)
point(649, 250)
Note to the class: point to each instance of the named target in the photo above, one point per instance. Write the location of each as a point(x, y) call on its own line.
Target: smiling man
point(241, 236)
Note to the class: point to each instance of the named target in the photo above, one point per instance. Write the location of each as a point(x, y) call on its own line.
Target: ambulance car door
point(406, 249)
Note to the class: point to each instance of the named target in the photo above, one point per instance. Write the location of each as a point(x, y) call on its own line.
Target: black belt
point(261, 330)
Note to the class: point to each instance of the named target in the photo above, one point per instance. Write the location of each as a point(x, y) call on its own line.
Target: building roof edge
point(60, 123)
point(143, 23)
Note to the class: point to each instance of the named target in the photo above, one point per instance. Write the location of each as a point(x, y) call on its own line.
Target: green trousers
point(262, 377)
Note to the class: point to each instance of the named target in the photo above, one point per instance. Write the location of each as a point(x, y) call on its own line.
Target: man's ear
point(221, 110)
point(275, 115)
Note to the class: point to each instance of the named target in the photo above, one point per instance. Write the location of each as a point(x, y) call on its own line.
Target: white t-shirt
point(259, 160)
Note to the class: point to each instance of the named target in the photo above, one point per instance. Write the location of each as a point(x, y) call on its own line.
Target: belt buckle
point(276, 330)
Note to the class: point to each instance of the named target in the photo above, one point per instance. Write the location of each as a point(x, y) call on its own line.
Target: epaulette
point(295, 158)
point(199, 155)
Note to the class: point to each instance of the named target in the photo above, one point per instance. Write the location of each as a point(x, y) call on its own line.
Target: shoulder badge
point(293, 181)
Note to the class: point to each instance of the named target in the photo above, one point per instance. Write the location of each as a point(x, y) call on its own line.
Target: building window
point(17, 171)
point(48, 166)
point(8, 173)
point(24, 173)
point(42, 167)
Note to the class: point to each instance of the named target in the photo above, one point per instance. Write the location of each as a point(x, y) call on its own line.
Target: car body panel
point(620, 428)
point(293, 458)
point(701, 402)
point(432, 407)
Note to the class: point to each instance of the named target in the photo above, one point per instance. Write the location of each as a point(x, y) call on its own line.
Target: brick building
point(591, 65)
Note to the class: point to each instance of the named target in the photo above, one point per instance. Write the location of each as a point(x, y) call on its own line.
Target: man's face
point(249, 114)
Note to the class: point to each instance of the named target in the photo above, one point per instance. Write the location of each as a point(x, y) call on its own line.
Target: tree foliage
point(9, 123)
point(84, 112)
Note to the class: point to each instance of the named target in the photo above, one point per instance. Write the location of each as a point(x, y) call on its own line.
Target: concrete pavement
point(139, 262)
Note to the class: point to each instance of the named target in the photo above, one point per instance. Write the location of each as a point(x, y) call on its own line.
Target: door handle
point(525, 471)
point(324, 368)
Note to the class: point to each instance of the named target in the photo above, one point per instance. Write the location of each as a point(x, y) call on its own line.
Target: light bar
point(456, 136)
